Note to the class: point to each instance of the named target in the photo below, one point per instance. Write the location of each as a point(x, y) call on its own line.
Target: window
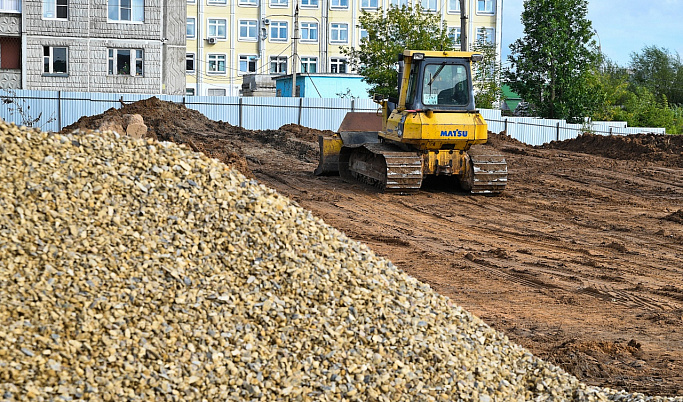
point(338, 65)
point(54, 60)
point(445, 84)
point(217, 28)
point(278, 3)
point(454, 6)
point(309, 64)
point(309, 31)
point(485, 6)
point(339, 4)
point(189, 63)
point(191, 28)
point(126, 10)
point(218, 2)
point(485, 35)
point(216, 92)
point(339, 33)
point(216, 63)
point(362, 33)
point(189, 91)
point(10, 6)
point(278, 31)
point(55, 9)
point(125, 62)
point(400, 3)
point(278, 64)
point(454, 33)
point(247, 2)
point(429, 5)
point(309, 3)
point(369, 3)
point(247, 30)
point(247, 64)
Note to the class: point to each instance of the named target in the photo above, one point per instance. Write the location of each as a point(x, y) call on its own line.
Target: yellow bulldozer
point(426, 131)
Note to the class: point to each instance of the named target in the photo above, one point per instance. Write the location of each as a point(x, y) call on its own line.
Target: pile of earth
point(169, 121)
point(652, 147)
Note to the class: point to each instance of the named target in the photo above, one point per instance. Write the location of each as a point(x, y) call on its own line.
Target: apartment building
point(120, 46)
point(227, 39)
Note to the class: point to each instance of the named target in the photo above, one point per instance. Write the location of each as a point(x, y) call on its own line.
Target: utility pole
point(295, 56)
point(463, 27)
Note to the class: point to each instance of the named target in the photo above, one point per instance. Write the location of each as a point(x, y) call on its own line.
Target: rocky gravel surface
point(140, 270)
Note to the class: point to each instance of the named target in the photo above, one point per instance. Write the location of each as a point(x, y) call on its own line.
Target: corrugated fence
point(58, 109)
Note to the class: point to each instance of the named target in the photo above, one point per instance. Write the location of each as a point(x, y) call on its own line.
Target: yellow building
point(227, 39)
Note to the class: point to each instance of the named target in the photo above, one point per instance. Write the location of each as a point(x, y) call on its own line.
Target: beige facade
point(227, 39)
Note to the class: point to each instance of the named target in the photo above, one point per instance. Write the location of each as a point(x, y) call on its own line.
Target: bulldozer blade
point(328, 163)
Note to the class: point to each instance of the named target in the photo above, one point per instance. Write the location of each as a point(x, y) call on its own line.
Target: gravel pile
point(138, 270)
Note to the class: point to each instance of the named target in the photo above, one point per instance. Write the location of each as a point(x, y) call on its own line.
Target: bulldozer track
point(383, 167)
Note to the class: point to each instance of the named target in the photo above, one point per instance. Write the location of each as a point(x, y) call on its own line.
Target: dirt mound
point(168, 121)
point(305, 133)
point(655, 147)
point(675, 217)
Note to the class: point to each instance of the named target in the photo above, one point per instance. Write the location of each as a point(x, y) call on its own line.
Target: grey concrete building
point(121, 46)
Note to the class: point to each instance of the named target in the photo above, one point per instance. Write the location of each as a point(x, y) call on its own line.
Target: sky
point(623, 26)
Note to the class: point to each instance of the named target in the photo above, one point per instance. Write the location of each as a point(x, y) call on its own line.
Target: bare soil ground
point(580, 260)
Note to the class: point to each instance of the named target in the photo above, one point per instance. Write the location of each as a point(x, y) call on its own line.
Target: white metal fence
point(58, 109)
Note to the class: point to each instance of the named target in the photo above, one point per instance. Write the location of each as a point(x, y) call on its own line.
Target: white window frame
point(216, 24)
point(216, 2)
point(193, 57)
point(248, 24)
point(339, 4)
point(362, 33)
point(310, 3)
point(137, 12)
point(134, 58)
point(190, 91)
point(308, 28)
point(489, 7)
point(51, 9)
point(246, 58)
point(215, 58)
point(247, 3)
point(191, 2)
point(51, 62)
point(431, 6)
point(308, 61)
point(276, 26)
point(339, 61)
point(280, 60)
point(368, 4)
point(456, 32)
point(10, 6)
point(339, 29)
point(209, 90)
point(400, 3)
point(194, 27)
point(453, 7)
point(279, 3)
point(490, 34)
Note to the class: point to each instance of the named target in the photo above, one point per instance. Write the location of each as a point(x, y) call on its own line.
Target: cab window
point(445, 85)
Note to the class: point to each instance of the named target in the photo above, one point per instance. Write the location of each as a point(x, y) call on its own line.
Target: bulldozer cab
point(436, 81)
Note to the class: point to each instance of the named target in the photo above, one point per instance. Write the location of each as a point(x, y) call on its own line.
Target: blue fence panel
point(324, 113)
point(218, 108)
point(264, 113)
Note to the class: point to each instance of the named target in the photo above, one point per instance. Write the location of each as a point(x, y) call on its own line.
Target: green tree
point(401, 28)
point(659, 71)
point(552, 66)
point(486, 74)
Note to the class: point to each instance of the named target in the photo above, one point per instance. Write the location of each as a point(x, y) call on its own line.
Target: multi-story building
point(227, 39)
point(126, 46)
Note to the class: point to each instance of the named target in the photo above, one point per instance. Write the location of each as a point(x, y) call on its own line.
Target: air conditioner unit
point(211, 40)
point(266, 21)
